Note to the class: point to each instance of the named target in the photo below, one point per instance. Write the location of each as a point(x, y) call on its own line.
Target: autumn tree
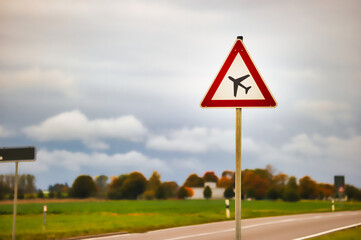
point(325, 190)
point(171, 189)
point(280, 180)
point(189, 191)
point(255, 183)
point(278, 184)
point(21, 185)
point(290, 192)
point(153, 184)
point(160, 192)
point(353, 192)
point(133, 185)
point(182, 193)
point(308, 188)
point(115, 190)
point(26, 183)
point(270, 170)
point(224, 182)
point(210, 176)
point(3, 190)
point(30, 184)
point(59, 189)
point(4, 187)
point(227, 173)
point(154, 181)
point(83, 187)
point(102, 183)
point(194, 180)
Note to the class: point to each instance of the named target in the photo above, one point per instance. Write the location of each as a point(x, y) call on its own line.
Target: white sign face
point(246, 89)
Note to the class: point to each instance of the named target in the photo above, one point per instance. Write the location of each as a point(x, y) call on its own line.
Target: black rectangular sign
point(17, 154)
point(339, 182)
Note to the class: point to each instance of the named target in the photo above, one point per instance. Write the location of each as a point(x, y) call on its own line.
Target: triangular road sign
point(238, 84)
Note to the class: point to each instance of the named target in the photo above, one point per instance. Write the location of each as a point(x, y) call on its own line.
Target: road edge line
point(329, 231)
point(96, 236)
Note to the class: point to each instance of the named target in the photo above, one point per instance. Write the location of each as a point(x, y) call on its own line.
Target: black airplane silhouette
point(237, 82)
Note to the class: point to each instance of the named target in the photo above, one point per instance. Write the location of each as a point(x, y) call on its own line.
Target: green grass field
point(69, 219)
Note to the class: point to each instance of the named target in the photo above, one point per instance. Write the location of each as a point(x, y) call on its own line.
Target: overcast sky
point(110, 87)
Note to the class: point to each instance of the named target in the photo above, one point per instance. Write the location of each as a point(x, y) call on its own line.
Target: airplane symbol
point(237, 82)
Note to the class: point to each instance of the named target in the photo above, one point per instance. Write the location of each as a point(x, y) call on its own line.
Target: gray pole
point(238, 172)
point(15, 198)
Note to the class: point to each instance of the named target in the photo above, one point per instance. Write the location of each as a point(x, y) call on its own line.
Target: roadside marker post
point(45, 209)
point(238, 84)
point(228, 214)
point(17, 154)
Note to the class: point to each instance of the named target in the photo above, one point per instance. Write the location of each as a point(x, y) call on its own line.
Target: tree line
point(256, 184)
point(26, 185)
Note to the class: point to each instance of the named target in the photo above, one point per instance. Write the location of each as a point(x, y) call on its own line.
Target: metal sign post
point(238, 173)
point(17, 154)
point(15, 198)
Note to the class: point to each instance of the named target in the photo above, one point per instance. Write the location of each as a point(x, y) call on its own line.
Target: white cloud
point(195, 140)
point(76, 161)
point(75, 125)
point(302, 144)
point(325, 111)
point(190, 164)
point(341, 149)
point(4, 132)
point(312, 155)
point(36, 78)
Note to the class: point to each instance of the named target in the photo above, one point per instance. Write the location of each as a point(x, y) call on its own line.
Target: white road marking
point(243, 227)
point(200, 234)
point(329, 231)
point(97, 238)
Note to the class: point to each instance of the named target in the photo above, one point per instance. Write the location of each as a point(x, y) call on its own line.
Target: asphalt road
point(298, 227)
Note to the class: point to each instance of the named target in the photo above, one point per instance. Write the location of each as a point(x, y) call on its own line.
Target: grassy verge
point(69, 219)
point(348, 234)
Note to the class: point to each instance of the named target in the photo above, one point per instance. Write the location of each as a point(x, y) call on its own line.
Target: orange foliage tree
point(254, 184)
point(308, 188)
point(224, 182)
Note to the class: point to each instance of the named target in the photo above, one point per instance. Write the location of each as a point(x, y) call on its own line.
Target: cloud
point(75, 125)
point(36, 78)
point(4, 132)
point(302, 145)
point(190, 164)
point(325, 111)
point(312, 155)
point(194, 140)
point(77, 161)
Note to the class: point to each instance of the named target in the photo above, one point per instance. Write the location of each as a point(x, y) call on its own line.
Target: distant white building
point(217, 193)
